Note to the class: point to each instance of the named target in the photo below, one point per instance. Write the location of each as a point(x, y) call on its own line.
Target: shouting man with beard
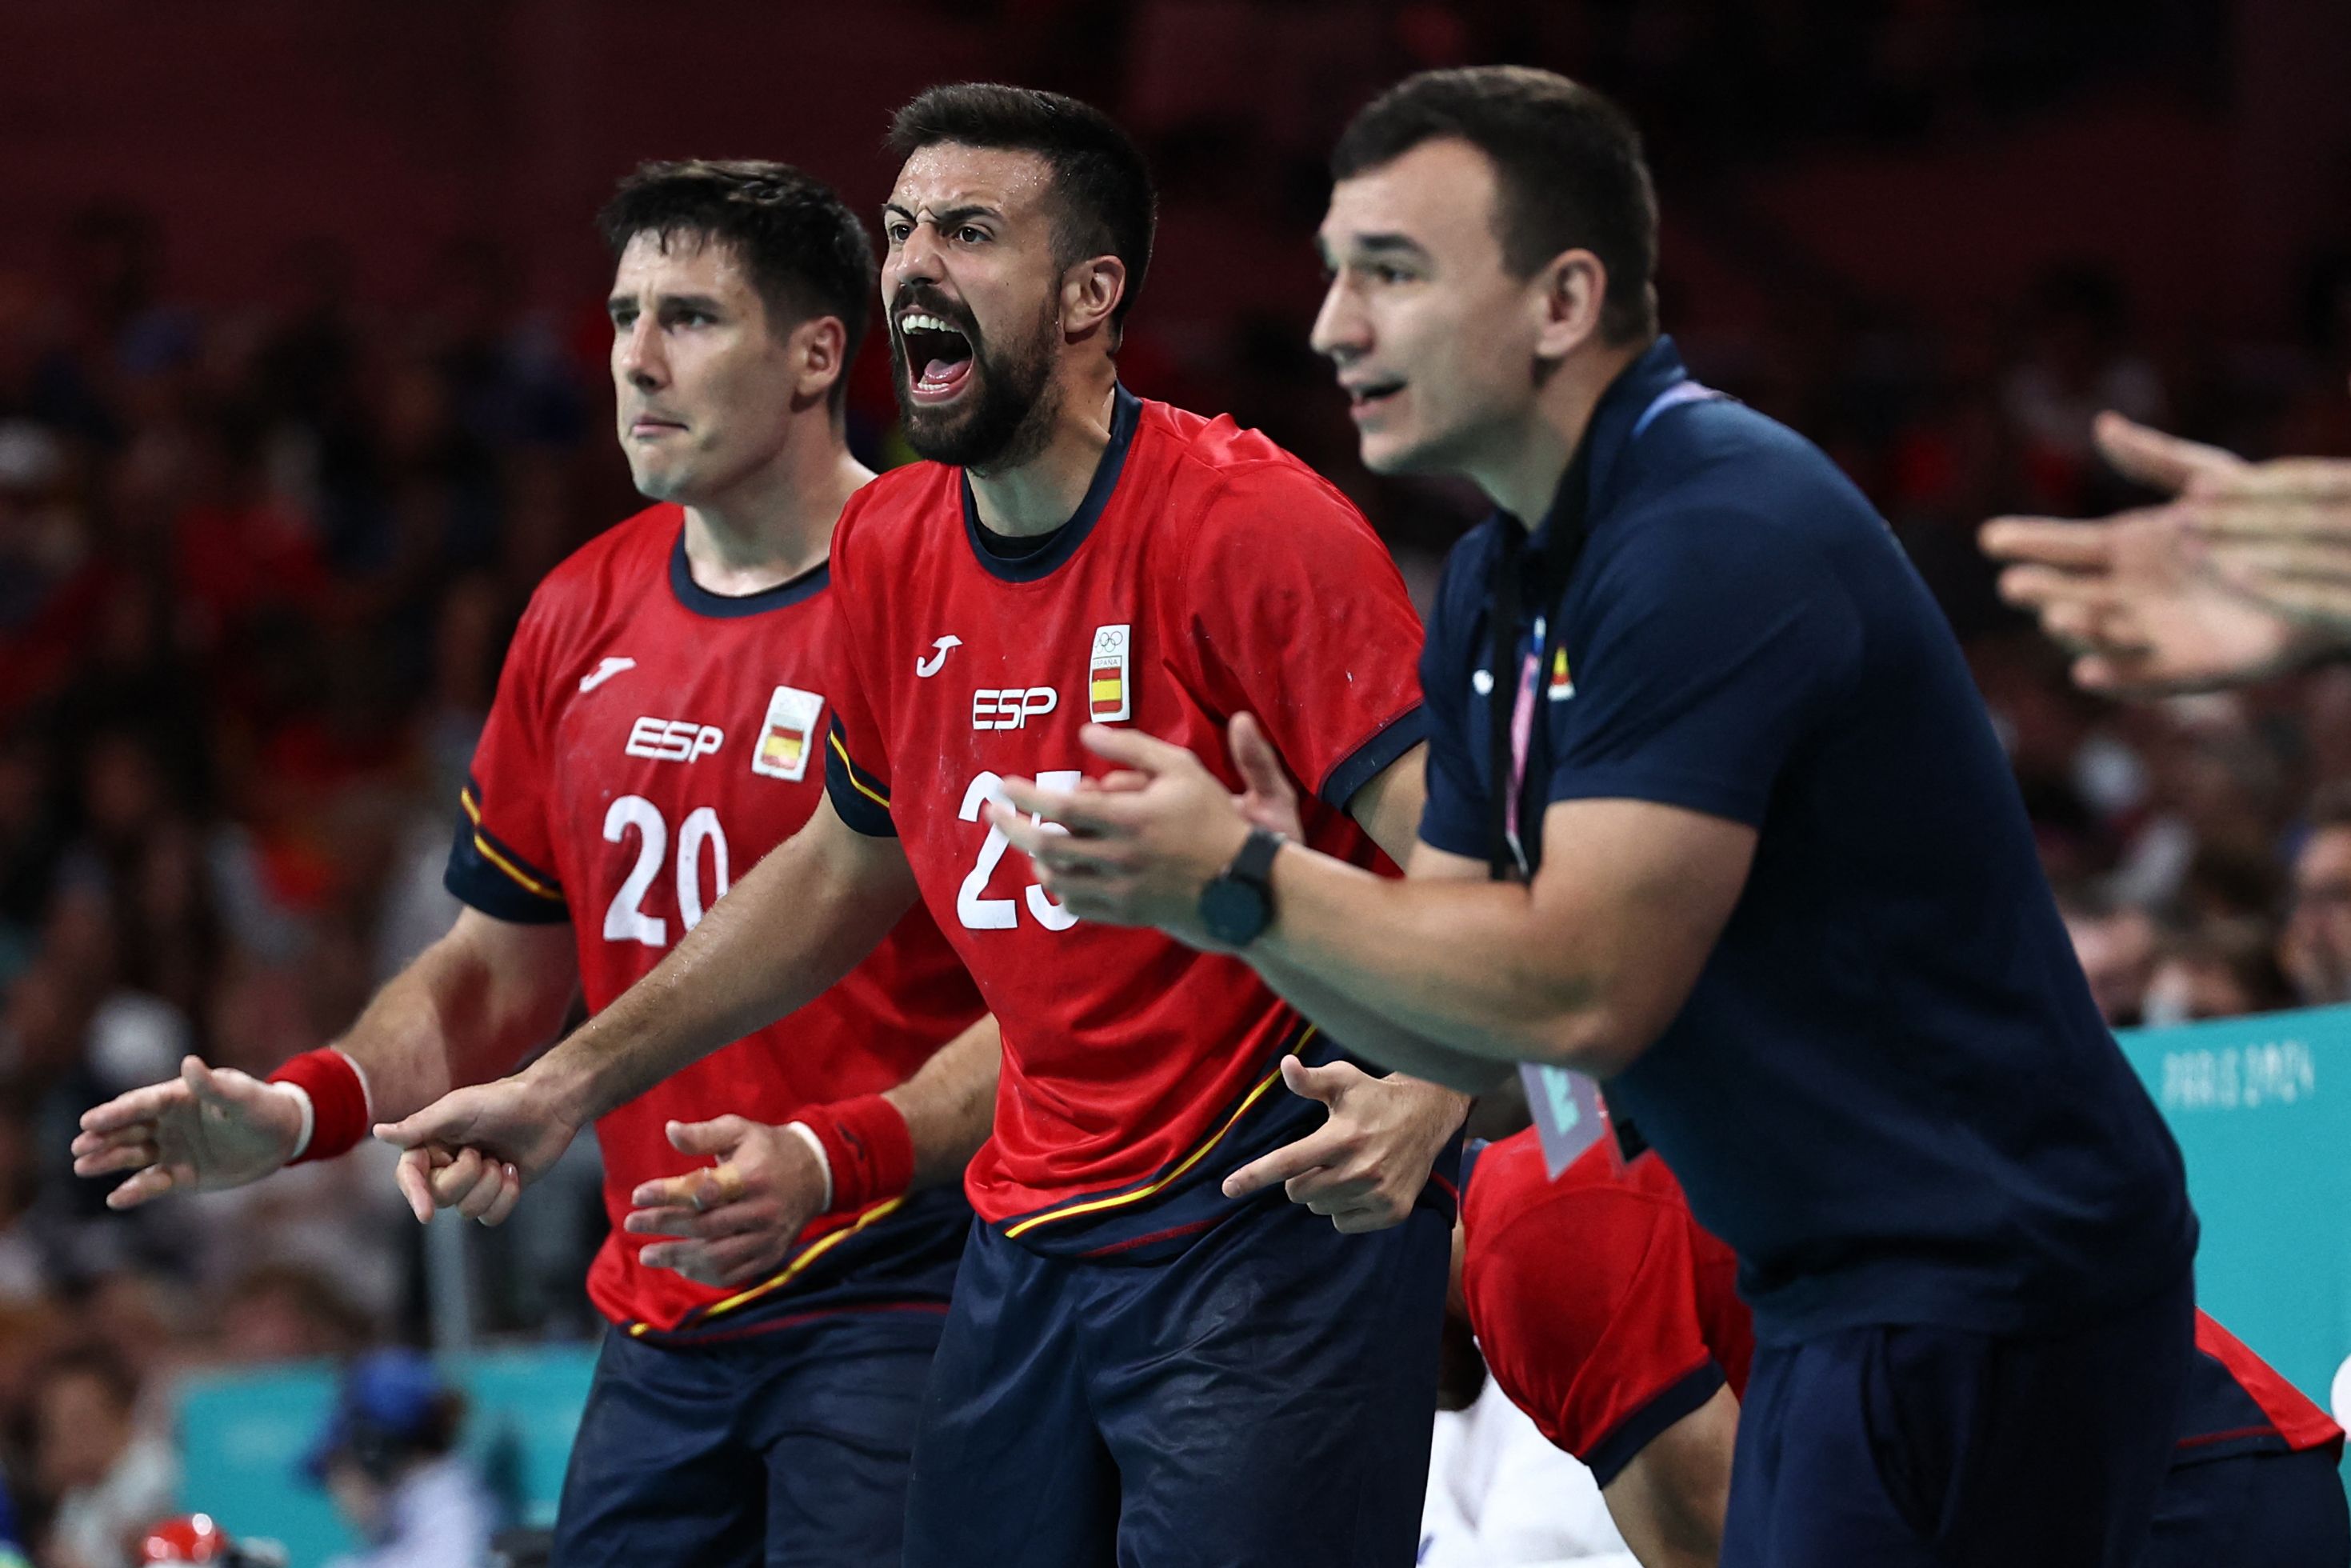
point(1136, 1366)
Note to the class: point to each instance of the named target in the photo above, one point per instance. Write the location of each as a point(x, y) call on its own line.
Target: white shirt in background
point(1499, 1496)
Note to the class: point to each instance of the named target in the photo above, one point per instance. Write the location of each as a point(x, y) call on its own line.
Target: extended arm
point(1582, 968)
point(469, 1007)
point(800, 920)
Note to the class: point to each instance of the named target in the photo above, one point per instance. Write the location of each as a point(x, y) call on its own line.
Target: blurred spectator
point(2223, 968)
point(108, 1478)
point(388, 1456)
point(2116, 946)
point(2078, 359)
point(2315, 950)
point(279, 1312)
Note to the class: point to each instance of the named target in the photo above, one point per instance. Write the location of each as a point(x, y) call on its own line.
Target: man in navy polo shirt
point(1756, 860)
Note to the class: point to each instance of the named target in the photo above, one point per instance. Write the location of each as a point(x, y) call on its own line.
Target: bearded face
point(969, 397)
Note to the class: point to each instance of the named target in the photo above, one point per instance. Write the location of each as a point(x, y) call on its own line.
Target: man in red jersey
point(657, 729)
point(1611, 1318)
point(1136, 1367)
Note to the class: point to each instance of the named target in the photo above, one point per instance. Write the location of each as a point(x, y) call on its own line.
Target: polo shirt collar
point(1621, 414)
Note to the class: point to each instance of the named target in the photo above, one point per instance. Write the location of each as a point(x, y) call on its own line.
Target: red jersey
point(1207, 573)
point(649, 742)
point(1603, 1311)
point(1607, 1315)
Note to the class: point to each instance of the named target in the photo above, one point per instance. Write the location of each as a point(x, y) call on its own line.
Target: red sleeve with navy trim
point(1596, 1299)
point(856, 767)
point(502, 862)
point(1300, 618)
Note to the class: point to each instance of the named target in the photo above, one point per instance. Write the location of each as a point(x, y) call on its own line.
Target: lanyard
point(1513, 743)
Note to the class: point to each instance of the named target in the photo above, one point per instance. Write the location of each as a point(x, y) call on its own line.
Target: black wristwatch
point(1239, 903)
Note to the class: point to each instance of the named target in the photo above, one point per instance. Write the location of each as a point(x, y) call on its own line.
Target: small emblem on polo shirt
point(1561, 686)
point(788, 735)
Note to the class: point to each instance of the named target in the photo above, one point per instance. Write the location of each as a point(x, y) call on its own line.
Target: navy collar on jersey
point(726, 606)
point(1127, 412)
point(1651, 384)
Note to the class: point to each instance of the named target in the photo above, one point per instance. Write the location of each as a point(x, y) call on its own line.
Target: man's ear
point(1091, 291)
point(819, 351)
point(1570, 293)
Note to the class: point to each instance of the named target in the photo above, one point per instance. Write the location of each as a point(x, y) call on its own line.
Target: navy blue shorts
point(1264, 1397)
point(1896, 1447)
point(788, 1449)
point(2252, 1511)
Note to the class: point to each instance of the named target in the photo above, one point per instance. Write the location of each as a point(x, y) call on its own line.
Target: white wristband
point(309, 1117)
point(815, 1146)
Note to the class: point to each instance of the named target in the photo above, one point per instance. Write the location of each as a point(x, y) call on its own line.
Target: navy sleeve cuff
point(1661, 786)
point(858, 798)
point(1645, 1426)
point(1367, 761)
point(487, 876)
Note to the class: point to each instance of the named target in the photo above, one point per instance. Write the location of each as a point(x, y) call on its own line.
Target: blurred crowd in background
point(260, 554)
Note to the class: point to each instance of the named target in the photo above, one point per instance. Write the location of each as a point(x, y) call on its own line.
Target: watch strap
point(1254, 864)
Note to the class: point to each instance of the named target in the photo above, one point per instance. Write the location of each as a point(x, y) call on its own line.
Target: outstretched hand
point(209, 1127)
point(2215, 587)
point(737, 1218)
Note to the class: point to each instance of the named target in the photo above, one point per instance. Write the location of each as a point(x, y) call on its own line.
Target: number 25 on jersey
point(979, 912)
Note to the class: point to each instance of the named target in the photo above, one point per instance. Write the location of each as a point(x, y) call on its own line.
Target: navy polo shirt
point(1890, 1091)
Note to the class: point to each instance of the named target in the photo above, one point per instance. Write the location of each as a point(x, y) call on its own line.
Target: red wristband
point(338, 1107)
point(866, 1142)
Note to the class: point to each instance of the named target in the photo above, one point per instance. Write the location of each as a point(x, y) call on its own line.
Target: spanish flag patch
point(1110, 694)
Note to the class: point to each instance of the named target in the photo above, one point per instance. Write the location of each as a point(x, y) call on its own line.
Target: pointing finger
point(1290, 1161)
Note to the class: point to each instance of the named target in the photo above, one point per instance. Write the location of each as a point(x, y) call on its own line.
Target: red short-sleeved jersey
point(1207, 573)
point(1604, 1309)
point(651, 741)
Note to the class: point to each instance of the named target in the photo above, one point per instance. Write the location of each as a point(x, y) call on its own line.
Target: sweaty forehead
point(1440, 195)
point(949, 175)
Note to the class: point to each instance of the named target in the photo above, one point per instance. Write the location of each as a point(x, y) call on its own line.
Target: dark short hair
point(807, 253)
point(1568, 171)
point(1102, 186)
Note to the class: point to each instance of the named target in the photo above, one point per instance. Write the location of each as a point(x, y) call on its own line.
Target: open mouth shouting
point(938, 357)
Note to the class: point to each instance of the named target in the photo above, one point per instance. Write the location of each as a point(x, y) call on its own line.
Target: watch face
point(1234, 911)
